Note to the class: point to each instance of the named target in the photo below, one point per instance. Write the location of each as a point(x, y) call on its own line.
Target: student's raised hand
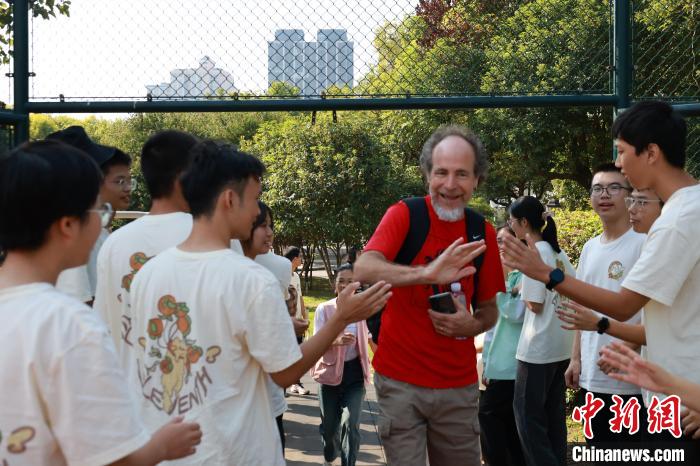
point(628, 366)
point(577, 317)
point(527, 259)
point(690, 420)
point(452, 265)
point(177, 438)
point(354, 307)
point(459, 324)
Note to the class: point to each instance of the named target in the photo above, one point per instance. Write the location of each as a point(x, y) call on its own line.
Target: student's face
point(343, 279)
point(644, 210)
point(634, 167)
point(261, 241)
point(297, 262)
point(520, 227)
point(116, 188)
point(246, 209)
point(452, 180)
point(87, 233)
point(500, 239)
point(610, 206)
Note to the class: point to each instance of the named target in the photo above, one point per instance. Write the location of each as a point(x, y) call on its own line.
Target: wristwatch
point(556, 276)
point(603, 325)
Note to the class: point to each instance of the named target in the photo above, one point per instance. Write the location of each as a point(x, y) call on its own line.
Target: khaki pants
point(413, 420)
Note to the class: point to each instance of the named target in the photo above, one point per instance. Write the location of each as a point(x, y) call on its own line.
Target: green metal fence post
point(622, 56)
point(21, 67)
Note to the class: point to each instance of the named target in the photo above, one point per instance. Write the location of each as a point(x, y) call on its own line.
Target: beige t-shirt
point(209, 327)
point(668, 273)
point(121, 256)
point(64, 397)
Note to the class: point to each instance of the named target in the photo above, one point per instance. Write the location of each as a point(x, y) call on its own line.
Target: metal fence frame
point(621, 98)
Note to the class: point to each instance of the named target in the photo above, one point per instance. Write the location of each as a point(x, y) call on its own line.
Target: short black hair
point(164, 157)
point(119, 158)
point(216, 166)
point(606, 167)
point(50, 179)
point(292, 252)
point(653, 122)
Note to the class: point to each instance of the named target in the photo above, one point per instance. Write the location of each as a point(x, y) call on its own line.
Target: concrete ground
point(304, 441)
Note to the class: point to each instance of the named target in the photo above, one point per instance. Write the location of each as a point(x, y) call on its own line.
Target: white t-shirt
point(296, 281)
point(121, 256)
point(668, 273)
point(212, 325)
point(75, 283)
point(542, 339)
point(281, 268)
point(64, 399)
point(81, 282)
point(606, 265)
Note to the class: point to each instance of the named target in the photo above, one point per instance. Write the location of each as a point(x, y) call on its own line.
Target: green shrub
point(574, 228)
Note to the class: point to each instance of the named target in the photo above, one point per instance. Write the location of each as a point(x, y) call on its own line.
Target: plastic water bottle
point(457, 292)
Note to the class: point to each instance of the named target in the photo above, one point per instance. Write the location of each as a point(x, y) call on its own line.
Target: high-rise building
point(203, 81)
point(310, 66)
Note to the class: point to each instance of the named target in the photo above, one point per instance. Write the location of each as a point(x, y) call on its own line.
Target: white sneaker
point(293, 389)
point(301, 390)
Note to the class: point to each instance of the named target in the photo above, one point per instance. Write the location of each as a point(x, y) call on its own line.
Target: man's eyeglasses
point(641, 203)
point(613, 189)
point(105, 212)
point(124, 183)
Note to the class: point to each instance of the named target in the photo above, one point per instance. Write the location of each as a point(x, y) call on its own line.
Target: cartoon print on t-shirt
point(136, 261)
point(17, 441)
point(176, 357)
point(616, 270)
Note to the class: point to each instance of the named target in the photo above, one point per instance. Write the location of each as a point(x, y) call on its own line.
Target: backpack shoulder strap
point(418, 227)
point(476, 230)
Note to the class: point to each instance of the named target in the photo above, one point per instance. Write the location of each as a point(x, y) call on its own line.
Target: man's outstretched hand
point(452, 264)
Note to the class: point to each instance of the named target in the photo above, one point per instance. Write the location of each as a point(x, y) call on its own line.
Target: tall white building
point(311, 66)
point(205, 80)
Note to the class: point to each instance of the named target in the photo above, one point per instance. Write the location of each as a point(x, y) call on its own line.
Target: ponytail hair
point(540, 220)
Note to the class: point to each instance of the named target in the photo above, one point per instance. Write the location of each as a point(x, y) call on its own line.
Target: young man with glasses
point(651, 141)
point(644, 207)
point(605, 261)
point(115, 190)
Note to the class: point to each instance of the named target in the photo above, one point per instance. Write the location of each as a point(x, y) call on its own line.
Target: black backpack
point(419, 226)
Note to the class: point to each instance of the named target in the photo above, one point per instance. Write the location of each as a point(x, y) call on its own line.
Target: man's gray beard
point(446, 215)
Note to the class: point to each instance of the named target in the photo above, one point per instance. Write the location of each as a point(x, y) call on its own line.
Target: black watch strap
point(603, 325)
point(556, 276)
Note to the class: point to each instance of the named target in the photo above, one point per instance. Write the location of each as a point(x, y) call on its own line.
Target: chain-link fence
point(166, 49)
point(667, 49)
point(693, 147)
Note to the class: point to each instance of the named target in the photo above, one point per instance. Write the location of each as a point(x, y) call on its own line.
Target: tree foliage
point(44, 9)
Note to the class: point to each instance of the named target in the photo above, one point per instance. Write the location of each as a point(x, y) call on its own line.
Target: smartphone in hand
point(442, 302)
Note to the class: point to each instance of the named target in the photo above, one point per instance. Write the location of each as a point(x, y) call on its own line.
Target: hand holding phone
point(442, 302)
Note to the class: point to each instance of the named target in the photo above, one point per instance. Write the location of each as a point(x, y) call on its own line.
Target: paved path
point(303, 440)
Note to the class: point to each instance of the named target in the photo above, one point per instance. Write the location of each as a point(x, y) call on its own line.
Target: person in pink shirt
point(342, 373)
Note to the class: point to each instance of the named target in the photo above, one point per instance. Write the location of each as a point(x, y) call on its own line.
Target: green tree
point(45, 9)
point(328, 184)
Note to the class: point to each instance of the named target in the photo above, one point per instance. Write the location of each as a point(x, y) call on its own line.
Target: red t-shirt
point(410, 350)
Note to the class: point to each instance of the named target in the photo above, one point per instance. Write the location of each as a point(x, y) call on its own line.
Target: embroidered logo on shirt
point(178, 359)
point(616, 270)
